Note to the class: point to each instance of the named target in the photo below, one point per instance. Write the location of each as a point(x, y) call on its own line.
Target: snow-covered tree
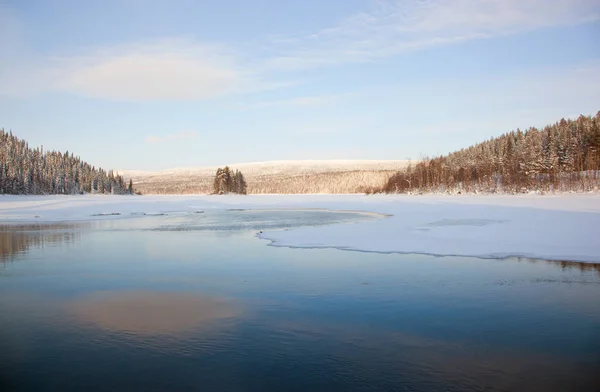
point(34, 171)
point(227, 181)
point(564, 155)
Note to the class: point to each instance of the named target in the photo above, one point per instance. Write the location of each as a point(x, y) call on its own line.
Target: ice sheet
point(554, 227)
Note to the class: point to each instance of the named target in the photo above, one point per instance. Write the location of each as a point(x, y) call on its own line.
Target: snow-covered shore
point(554, 227)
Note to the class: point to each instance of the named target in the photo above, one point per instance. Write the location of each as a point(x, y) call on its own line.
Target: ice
point(554, 227)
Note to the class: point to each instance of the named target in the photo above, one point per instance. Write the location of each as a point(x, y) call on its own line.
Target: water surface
point(196, 302)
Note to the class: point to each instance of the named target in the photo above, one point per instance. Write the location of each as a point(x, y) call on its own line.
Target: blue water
point(196, 302)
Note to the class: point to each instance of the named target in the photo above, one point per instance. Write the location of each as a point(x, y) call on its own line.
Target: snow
point(554, 227)
point(276, 167)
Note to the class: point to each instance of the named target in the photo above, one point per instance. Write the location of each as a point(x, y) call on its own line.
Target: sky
point(158, 84)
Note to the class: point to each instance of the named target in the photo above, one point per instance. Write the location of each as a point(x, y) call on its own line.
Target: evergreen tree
point(24, 170)
point(564, 156)
point(239, 183)
point(227, 181)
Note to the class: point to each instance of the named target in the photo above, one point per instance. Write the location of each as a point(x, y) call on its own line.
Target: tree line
point(228, 181)
point(564, 156)
point(329, 182)
point(25, 170)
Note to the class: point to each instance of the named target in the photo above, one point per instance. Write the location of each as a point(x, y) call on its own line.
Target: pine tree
point(217, 181)
point(566, 153)
point(227, 181)
point(24, 170)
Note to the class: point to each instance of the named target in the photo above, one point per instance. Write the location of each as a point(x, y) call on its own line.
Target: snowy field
point(561, 227)
point(280, 177)
point(288, 168)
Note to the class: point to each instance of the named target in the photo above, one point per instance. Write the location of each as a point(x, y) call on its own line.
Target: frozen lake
point(550, 227)
point(193, 300)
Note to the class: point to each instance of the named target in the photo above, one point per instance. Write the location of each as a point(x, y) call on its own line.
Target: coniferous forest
point(24, 171)
point(228, 181)
point(561, 157)
point(564, 156)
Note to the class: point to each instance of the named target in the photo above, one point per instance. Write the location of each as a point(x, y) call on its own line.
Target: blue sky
point(153, 84)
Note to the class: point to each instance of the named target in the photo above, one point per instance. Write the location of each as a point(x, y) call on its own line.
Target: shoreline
point(556, 227)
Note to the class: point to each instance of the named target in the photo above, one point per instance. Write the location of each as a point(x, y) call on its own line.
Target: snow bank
point(561, 227)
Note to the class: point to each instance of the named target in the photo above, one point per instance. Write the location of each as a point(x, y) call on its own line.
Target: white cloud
point(162, 70)
point(394, 26)
point(179, 69)
point(183, 135)
point(153, 73)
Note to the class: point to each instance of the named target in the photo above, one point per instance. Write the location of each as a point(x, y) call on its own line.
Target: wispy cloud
point(168, 70)
point(183, 135)
point(183, 69)
point(154, 70)
point(393, 26)
point(160, 70)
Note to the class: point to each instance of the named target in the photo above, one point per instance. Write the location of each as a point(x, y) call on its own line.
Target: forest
point(228, 181)
point(25, 170)
point(562, 157)
point(274, 179)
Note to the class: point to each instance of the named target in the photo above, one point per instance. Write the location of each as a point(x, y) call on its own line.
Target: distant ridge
point(283, 176)
point(280, 165)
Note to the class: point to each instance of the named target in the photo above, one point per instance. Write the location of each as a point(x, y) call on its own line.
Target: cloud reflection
point(151, 313)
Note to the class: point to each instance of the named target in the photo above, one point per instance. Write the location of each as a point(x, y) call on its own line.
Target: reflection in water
point(150, 313)
point(398, 358)
point(238, 219)
point(566, 265)
point(16, 241)
point(104, 313)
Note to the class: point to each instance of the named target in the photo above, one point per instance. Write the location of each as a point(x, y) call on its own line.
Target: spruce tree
point(228, 181)
point(24, 170)
point(564, 156)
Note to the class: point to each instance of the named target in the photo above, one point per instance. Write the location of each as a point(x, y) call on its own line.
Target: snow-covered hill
point(309, 176)
point(277, 167)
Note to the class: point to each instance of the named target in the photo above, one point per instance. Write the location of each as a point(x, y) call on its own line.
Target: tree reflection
point(565, 265)
point(582, 267)
point(17, 241)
